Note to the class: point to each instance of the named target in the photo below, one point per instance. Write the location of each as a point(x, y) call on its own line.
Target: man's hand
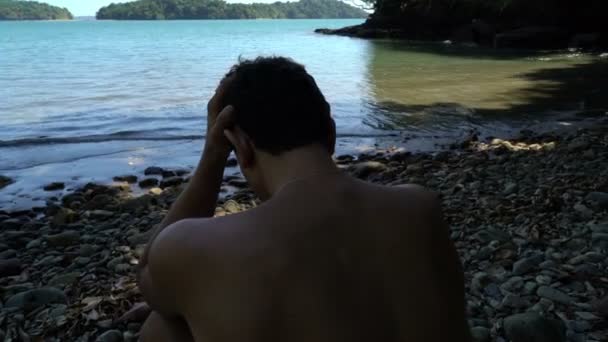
point(218, 120)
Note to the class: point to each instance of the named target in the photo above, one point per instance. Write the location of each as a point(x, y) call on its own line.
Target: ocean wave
point(152, 135)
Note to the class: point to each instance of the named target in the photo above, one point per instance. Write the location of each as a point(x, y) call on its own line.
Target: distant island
point(219, 9)
point(31, 10)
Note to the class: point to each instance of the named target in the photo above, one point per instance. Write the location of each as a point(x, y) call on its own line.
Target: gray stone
point(554, 295)
point(33, 244)
point(64, 216)
point(543, 279)
point(532, 327)
point(110, 336)
point(583, 210)
point(600, 228)
point(512, 284)
point(488, 235)
point(10, 267)
point(601, 307)
point(101, 214)
point(511, 188)
point(82, 261)
point(598, 199)
point(100, 201)
point(480, 334)
point(35, 298)
point(140, 238)
point(526, 265)
point(587, 316)
point(87, 250)
point(514, 301)
point(64, 279)
point(66, 238)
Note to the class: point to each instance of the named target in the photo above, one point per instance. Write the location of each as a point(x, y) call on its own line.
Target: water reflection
point(429, 87)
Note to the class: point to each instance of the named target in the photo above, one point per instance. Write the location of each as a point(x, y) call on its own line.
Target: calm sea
point(84, 101)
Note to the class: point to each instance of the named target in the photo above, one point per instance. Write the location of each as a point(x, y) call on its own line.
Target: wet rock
point(480, 334)
point(554, 295)
point(32, 299)
point(137, 203)
point(64, 216)
point(127, 178)
point(5, 181)
point(54, 186)
point(64, 279)
point(100, 201)
point(110, 336)
point(598, 199)
point(66, 238)
point(168, 173)
point(10, 267)
point(153, 170)
point(532, 327)
point(173, 181)
point(148, 183)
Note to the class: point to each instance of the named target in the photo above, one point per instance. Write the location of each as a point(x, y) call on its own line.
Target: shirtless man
point(326, 257)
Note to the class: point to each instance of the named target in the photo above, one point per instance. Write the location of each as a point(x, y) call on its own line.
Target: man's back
point(340, 260)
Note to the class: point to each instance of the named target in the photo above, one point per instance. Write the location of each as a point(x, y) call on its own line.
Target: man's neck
point(296, 165)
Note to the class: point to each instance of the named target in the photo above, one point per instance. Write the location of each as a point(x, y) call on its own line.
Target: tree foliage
point(579, 16)
point(219, 9)
point(31, 10)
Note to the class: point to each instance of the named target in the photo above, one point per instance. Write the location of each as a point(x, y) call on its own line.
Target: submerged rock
point(54, 186)
point(148, 183)
point(153, 170)
point(128, 178)
point(5, 181)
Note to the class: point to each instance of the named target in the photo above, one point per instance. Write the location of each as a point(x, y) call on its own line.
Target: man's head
point(278, 108)
point(278, 105)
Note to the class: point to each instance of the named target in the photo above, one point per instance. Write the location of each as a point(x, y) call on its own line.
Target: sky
point(90, 7)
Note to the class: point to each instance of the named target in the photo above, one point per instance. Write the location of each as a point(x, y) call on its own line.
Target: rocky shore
point(529, 217)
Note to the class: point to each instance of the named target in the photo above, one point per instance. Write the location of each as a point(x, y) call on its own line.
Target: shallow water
point(82, 101)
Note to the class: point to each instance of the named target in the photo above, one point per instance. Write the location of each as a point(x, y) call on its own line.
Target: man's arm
point(166, 249)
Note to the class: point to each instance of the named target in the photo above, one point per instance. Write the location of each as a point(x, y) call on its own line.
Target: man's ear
point(243, 146)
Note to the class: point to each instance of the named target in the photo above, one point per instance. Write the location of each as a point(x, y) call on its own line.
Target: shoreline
point(529, 217)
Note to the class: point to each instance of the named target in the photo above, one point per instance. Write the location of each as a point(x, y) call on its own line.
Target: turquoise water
point(88, 100)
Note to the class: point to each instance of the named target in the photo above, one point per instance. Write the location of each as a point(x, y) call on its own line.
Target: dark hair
point(278, 104)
